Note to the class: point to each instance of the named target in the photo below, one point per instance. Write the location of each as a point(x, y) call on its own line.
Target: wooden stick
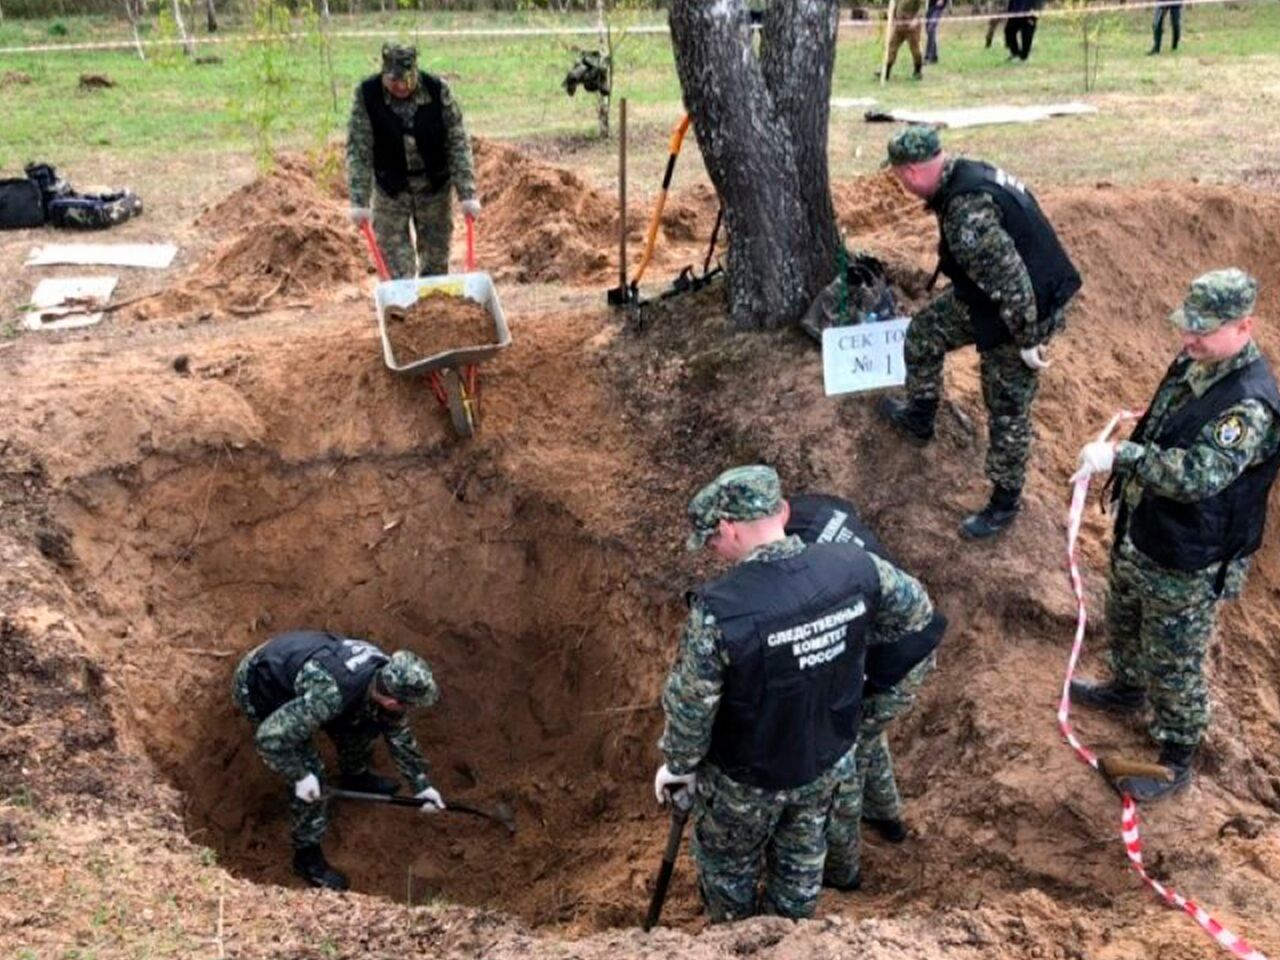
point(888, 35)
point(622, 196)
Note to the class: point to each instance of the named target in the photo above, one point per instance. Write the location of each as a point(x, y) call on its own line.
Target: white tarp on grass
point(63, 303)
point(155, 256)
point(981, 116)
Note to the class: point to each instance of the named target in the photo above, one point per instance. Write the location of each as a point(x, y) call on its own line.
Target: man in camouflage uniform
point(406, 146)
point(299, 683)
point(1191, 490)
point(762, 702)
point(1011, 281)
point(894, 675)
point(906, 29)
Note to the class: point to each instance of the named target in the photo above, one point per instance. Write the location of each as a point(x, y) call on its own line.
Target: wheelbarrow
point(453, 375)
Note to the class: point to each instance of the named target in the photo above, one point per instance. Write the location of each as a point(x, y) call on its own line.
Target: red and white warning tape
point(1129, 808)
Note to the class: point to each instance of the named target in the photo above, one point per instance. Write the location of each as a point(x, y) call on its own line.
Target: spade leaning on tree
point(305, 681)
point(1190, 493)
point(1011, 282)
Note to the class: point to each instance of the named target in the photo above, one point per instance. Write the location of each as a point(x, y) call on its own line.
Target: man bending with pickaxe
point(301, 682)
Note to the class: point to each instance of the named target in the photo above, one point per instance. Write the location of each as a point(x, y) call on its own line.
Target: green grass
point(1199, 112)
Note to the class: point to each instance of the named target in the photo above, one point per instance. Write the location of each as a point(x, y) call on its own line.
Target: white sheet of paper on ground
point(156, 256)
point(981, 116)
point(851, 103)
point(57, 302)
point(867, 356)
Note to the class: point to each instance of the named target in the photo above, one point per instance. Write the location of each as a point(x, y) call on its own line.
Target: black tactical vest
point(818, 518)
point(352, 663)
point(390, 165)
point(1221, 528)
point(795, 636)
point(1053, 276)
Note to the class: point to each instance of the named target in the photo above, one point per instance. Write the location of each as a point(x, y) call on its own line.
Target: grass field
point(1211, 111)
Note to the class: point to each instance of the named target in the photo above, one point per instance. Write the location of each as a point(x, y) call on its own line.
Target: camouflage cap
point(743, 493)
point(1215, 298)
point(915, 144)
point(399, 60)
point(407, 677)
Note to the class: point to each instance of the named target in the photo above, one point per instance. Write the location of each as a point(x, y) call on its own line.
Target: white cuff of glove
point(1098, 456)
point(471, 207)
point(667, 782)
point(307, 789)
point(1033, 357)
point(360, 215)
point(432, 801)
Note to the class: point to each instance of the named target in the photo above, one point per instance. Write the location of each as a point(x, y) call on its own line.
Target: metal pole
point(622, 196)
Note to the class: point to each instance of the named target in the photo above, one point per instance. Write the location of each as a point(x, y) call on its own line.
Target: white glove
point(471, 207)
point(1098, 456)
point(359, 216)
point(1033, 357)
point(434, 802)
point(675, 782)
point(307, 789)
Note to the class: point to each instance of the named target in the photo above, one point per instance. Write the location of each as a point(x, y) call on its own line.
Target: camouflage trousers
point(1008, 385)
point(1161, 622)
point(872, 790)
point(431, 217)
point(741, 831)
point(309, 821)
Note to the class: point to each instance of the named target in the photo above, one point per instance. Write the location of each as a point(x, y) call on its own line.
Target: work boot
point(1107, 696)
point(891, 829)
point(1153, 51)
point(368, 782)
point(1174, 757)
point(911, 418)
point(917, 74)
point(847, 886)
point(995, 516)
point(309, 863)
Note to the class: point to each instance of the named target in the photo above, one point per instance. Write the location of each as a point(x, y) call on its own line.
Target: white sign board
point(865, 357)
point(63, 303)
point(156, 256)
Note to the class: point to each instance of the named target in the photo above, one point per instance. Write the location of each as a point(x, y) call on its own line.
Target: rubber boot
point(847, 887)
point(368, 782)
point(911, 418)
point(309, 863)
point(999, 512)
point(1177, 759)
point(893, 830)
point(1107, 696)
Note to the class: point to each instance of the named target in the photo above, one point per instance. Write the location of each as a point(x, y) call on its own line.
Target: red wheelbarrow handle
point(471, 244)
point(375, 251)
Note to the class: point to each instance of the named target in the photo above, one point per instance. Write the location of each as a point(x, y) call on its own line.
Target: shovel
point(681, 804)
point(502, 813)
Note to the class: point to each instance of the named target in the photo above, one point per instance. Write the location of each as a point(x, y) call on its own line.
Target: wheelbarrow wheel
point(463, 408)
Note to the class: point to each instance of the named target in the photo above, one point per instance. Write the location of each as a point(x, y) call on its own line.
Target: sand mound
point(284, 241)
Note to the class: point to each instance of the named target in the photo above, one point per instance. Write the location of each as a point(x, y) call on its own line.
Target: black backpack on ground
point(21, 204)
point(94, 211)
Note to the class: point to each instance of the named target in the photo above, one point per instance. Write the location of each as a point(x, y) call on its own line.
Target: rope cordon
point(1129, 829)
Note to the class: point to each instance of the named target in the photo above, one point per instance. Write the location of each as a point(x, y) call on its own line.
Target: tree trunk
point(762, 123)
point(188, 46)
point(324, 9)
point(211, 16)
point(606, 48)
point(132, 13)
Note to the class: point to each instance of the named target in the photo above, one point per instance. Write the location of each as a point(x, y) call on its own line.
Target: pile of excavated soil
point(543, 223)
point(281, 477)
point(284, 241)
point(435, 324)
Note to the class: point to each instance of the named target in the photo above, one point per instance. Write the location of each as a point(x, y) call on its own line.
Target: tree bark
point(131, 12)
point(211, 16)
point(606, 48)
point(762, 124)
point(188, 45)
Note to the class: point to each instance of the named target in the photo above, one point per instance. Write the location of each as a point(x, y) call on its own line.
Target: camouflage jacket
point(984, 250)
point(360, 145)
point(284, 737)
point(1240, 437)
point(692, 693)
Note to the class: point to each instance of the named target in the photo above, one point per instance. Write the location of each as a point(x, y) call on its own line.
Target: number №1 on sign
point(864, 357)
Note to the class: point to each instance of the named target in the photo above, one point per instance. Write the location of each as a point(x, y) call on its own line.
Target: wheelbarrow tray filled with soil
point(429, 323)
